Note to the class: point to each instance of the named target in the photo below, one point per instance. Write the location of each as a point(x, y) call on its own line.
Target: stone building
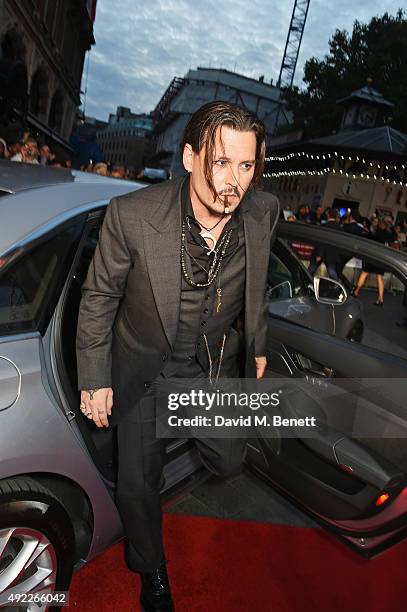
point(126, 138)
point(42, 51)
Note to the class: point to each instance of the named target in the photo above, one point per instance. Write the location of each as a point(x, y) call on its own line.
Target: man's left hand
point(261, 363)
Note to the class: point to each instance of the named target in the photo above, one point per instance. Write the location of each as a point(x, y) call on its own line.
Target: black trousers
point(140, 466)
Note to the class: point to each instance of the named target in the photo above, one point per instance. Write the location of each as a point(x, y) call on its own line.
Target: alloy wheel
point(28, 565)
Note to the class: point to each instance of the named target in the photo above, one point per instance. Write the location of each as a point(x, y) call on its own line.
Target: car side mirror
point(329, 291)
point(282, 291)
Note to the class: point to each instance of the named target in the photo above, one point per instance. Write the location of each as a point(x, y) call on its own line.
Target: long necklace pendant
point(205, 234)
point(219, 292)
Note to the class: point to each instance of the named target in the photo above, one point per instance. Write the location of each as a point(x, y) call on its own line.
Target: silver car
point(57, 470)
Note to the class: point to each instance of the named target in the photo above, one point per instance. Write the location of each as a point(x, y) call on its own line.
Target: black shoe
point(401, 323)
point(377, 303)
point(155, 591)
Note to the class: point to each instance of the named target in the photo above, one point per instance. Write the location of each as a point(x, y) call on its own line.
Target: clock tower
point(364, 108)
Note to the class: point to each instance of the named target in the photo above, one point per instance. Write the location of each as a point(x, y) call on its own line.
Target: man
point(28, 153)
point(118, 172)
point(46, 156)
point(175, 290)
point(14, 149)
point(317, 216)
point(303, 213)
point(101, 168)
point(355, 225)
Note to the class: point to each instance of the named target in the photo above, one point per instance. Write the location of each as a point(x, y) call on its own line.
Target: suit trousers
point(141, 457)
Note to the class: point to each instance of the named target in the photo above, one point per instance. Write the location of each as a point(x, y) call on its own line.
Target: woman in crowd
point(384, 235)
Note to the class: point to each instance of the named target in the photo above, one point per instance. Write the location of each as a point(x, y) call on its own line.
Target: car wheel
point(36, 543)
point(356, 333)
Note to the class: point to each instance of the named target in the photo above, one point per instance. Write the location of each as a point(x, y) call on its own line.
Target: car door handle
point(309, 366)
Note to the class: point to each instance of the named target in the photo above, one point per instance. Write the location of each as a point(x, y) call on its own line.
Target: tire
point(32, 517)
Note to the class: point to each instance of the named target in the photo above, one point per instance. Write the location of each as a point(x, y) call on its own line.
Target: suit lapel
point(162, 245)
point(256, 234)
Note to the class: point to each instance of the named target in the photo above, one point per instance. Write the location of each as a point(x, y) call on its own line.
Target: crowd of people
point(354, 223)
point(28, 150)
point(380, 228)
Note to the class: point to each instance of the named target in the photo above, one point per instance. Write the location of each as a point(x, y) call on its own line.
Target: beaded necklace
point(214, 268)
point(212, 273)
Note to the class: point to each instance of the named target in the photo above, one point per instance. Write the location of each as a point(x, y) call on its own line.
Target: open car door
point(351, 474)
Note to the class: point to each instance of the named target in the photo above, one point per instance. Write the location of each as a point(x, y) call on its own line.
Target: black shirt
point(199, 312)
point(196, 245)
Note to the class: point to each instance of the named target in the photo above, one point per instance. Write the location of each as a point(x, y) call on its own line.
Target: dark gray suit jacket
point(130, 303)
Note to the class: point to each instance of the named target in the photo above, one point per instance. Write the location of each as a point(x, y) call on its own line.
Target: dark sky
point(141, 46)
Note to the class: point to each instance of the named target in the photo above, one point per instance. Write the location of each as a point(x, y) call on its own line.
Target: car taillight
point(382, 499)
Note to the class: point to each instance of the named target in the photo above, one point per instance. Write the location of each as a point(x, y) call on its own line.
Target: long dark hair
point(202, 127)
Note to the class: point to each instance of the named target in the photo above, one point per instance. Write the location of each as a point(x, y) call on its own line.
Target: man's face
point(45, 151)
point(233, 168)
point(30, 150)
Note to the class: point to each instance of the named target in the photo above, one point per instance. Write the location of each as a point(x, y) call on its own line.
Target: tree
point(376, 50)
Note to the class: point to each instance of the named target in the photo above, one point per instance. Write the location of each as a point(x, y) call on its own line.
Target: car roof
point(40, 198)
point(16, 176)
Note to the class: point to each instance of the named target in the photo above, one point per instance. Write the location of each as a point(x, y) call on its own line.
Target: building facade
point(126, 138)
point(185, 95)
point(362, 167)
point(42, 50)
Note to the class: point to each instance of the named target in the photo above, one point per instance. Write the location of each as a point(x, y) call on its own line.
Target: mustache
point(226, 192)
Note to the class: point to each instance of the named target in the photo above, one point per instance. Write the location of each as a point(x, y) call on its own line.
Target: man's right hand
point(98, 408)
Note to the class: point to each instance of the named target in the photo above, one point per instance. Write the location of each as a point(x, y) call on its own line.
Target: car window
point(30, 286)
point(285, 279)
point(375, 310)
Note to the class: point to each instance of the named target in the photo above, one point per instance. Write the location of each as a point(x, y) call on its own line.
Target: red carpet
point(220, 565)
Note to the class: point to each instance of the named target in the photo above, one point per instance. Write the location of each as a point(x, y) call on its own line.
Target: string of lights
point(342, 173)
point(297, 173)
point(335, 155)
